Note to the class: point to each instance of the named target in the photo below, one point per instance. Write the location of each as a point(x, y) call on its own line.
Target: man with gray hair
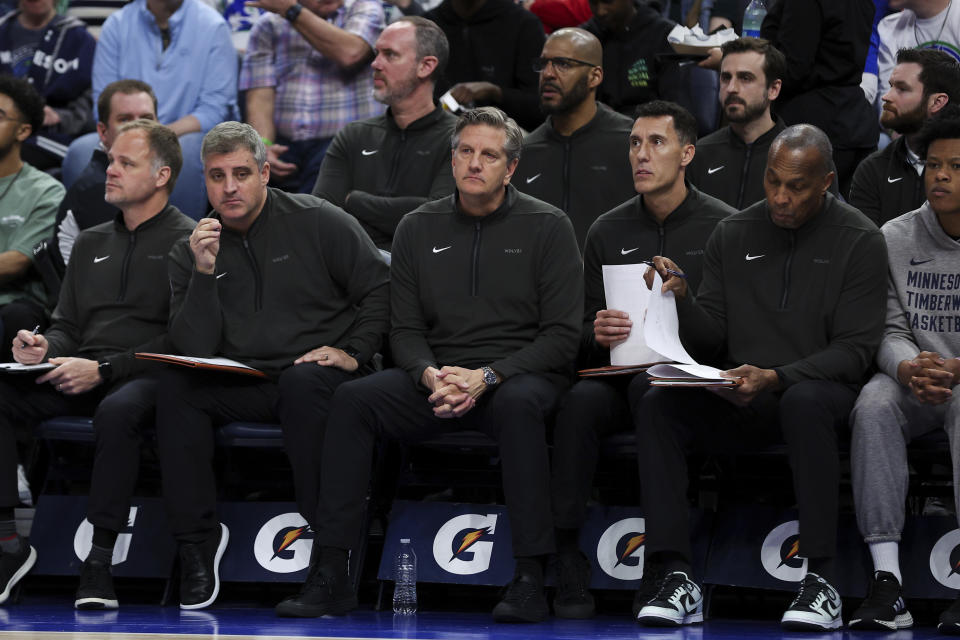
point(791, 303)
point(486, 299)
point(288, 284)
point(380, 169)
point(114, 302)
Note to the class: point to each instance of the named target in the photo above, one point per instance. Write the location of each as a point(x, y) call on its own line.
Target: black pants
point(591, 409)
point(390, 404)
point(190, 403)
point(120, 414)
point(672, 422)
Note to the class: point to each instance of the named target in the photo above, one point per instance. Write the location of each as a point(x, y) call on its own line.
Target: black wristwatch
point(293, 12)
point(106, 371)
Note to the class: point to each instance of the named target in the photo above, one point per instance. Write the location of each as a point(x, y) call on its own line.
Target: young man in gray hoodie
point(918, 368)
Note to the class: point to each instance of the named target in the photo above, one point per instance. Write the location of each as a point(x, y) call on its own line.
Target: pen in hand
point(36, 330)
point(670, 271)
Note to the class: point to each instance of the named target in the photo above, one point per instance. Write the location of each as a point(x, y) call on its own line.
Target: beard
point(569, 100)
point(751, 111)
point(904, 123)
point(390, 94)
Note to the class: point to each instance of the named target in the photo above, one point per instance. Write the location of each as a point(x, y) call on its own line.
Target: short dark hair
point(164, 145)
point(774, 62)
point(944, 125)
point(431, 41)
point(683, 121)
point(127, 86)
point(802, 137)
point(939, 72)
point(28, 102)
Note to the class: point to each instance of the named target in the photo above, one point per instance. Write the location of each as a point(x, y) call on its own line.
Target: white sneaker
point(816, 607)
point(678, 602)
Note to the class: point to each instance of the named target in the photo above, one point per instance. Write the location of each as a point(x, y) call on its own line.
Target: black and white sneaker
point(96, 587)
point(950, 620)
point(200, 569)
point(815, 608)
point(884, 608)
point(13, 566)
point(678, 602)
point(649, 585)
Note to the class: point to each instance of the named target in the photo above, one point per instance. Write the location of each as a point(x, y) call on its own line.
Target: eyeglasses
point(560, 64)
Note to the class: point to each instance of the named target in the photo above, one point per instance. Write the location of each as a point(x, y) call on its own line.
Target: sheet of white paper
point(625, 290)
point(662, 328)
point(684, 371)
point(227, 362)
point(16, 367)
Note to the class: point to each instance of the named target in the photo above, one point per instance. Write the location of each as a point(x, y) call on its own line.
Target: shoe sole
point(224, 539)
point(338, 608)
point(18, 575)
point(652, 620)
point(574, 612)
point(902, 621)
point(800, 625)
point(87, 604)
point(949, 629)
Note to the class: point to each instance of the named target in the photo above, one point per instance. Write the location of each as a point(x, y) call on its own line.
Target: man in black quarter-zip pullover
point(575, 160)
point(113, 303)
point(486, 297)
point(791, 302)
point(379, 169)
point(288, 284)
point(668, 217)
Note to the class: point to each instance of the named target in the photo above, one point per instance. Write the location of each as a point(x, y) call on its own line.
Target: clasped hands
point(454, 390)
point(930, 376)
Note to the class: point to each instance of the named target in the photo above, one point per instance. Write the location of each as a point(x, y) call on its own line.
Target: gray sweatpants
point(885, 419)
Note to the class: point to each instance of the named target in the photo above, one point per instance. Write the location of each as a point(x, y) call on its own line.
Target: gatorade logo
point(283, 544)
point(83, 539)
point(620, 549)
point(945, 560)
point(779, 553)
point(464, 545)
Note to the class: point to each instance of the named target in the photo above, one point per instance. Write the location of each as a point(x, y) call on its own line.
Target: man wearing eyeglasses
point(575, 160)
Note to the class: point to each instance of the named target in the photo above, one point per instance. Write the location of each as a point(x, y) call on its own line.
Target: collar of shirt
point(915, 161)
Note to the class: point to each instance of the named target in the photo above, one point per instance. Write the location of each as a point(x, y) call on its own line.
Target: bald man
point(792, 302)
point(576, 160)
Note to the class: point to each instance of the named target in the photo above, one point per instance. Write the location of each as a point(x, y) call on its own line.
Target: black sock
point(103, 537)
point(334, 558)
point(567, 540)
point(823, 567)
point(8, 523)
point(670, 561)
point(531, 566)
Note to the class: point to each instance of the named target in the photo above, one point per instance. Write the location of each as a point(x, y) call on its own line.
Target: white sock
point(886, 557)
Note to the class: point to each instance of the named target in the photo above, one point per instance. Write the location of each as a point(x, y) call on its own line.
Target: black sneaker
point(200, 570)
point(950, 620)
point(523, 601)
point(653, 574)
point(678, 601)
point(573, 598)
point(326, 591)
point(96, 587)
point(884, 608)
point(13, 566)
point(815, 608)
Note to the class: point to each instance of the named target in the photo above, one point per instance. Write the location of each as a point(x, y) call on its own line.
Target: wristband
point(266, 141)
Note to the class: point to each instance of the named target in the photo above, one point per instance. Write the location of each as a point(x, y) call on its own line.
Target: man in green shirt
point(28, 205)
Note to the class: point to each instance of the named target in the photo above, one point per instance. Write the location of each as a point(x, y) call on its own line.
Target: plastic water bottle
point(405, 577)
point(753, 18)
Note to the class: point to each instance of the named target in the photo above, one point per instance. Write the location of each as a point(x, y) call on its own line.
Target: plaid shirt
point(315, 97)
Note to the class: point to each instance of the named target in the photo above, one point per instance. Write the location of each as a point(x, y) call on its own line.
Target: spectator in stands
point(825, 43)
point(912, 394)
point(800, 347)
point(486, 298)
point(114, 303)
point(182, 49)
point(667, 217)
point(309, 310)
point(55, 53)
point(497, 72)
point(890, 181)
point(380, 169)
point(28, 202)
point(632, 34)
point(921, 24)
point(84, 206)
point(306, 78)
point(575, 159)
point(559, 14)
point(730, 163)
